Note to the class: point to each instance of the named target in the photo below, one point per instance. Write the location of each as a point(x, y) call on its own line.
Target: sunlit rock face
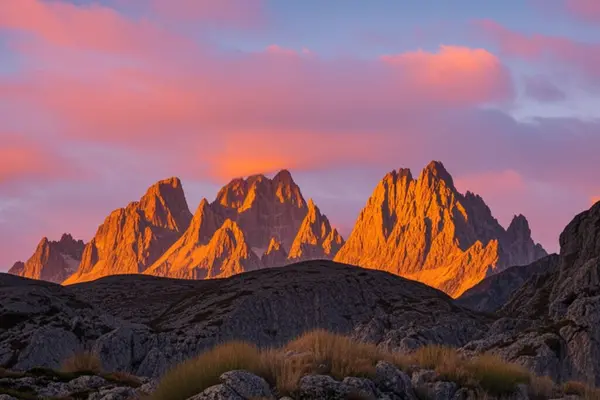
point(132, 238)
point(316, 239)
point(424, 229)
point(52, 261)
point(263, 208)
point(275, 256)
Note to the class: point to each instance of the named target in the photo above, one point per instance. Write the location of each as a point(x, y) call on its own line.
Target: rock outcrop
point(493, 292)
point(131, 239)
point(143, 324)
point(52, 261)
point(424, 229)
point(551, 322)
point(263, 208)
point(315, 239)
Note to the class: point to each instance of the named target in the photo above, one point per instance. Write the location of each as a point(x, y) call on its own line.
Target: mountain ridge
point(421, 228)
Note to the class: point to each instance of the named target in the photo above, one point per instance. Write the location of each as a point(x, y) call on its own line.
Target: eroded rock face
point(225, 254)
point(424, 229)
point(133, 238)
point(263, 208)
point(52, 261)
point(316, 239)
point(552, 321)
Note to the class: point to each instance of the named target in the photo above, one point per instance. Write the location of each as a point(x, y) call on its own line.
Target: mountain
point(132, 238)
point(52, 261)
point(263, 208)
point(424, 229)
point(315, 239)
point(275, 256)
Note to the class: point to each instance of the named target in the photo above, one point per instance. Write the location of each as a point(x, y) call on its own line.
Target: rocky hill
point(52, 261)
point(424, 229)
point(143, 324)
point(493, 292)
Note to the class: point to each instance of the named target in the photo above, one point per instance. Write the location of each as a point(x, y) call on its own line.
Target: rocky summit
point(132, 238)
point(52, 261)
point(424, 229)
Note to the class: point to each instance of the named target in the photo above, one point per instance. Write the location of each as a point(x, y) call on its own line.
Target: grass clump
point(541, 387)
point(580, 389)
point(488, 371)
point(82, 362)
point(195, 375)
point(497, 376)
point(336, 355)
point(326, 353)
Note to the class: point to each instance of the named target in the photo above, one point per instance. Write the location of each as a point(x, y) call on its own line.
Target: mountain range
point(422, 229)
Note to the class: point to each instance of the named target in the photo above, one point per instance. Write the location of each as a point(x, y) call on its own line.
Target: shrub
point(497, 376)
point(193, 376)
point(85, 361)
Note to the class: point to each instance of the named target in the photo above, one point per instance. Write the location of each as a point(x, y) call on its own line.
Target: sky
point(100, 99)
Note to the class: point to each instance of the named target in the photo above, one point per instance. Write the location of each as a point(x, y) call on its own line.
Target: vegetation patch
point(83, 362)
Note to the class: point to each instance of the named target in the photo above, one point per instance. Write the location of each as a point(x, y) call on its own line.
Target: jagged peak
point(202, 207)
point(284, 176)
point(519, 222)
point(274, 245)
point(436, 171)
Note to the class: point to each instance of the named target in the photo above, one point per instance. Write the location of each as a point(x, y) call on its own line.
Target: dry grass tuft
point(496, 375)
point(336, 355)
point(193, 376)
point(85, 361)
point(541, 387)
point(581, 389)
point(322, 352)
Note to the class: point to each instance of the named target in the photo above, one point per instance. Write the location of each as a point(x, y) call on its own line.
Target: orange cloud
point(251, 152)
point(595, 199)
point(456, 74)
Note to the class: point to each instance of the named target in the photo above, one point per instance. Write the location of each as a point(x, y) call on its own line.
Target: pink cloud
point(583, 57)
point(85, 28)
point(584, 9)
point(540, 88)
